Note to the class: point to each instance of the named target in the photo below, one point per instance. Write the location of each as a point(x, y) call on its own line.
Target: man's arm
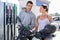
point(18, 18)
point(33, 21)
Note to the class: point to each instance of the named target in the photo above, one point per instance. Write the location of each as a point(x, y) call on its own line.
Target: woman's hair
point(45, 7)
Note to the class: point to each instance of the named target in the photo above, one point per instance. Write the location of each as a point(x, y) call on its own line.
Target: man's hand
point(26, 27)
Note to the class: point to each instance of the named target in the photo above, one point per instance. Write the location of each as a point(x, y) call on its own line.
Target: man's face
point(29, 7)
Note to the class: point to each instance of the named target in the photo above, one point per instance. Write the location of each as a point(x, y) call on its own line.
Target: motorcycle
point(24, 34)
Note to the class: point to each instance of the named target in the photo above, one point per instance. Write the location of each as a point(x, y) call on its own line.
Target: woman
point(43, 19)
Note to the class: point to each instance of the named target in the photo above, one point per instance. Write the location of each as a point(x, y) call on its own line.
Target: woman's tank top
point(42, 23)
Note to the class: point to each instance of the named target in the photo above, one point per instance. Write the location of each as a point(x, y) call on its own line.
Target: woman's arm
point(36, 28)
point(50, 19)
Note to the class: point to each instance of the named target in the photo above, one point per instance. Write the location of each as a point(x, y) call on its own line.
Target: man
point(27, 17)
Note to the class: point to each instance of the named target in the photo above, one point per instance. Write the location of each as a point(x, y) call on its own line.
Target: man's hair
point(29, 2)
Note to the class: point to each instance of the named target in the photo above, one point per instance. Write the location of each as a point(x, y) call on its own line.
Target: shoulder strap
point(48, 17)
point(38, 17)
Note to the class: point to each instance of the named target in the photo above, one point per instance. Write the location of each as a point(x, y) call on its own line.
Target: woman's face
point(42, 10)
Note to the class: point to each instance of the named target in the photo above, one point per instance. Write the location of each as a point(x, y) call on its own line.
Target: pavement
point(57, 37)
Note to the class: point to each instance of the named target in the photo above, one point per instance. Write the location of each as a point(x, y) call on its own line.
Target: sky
point(54, 6)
